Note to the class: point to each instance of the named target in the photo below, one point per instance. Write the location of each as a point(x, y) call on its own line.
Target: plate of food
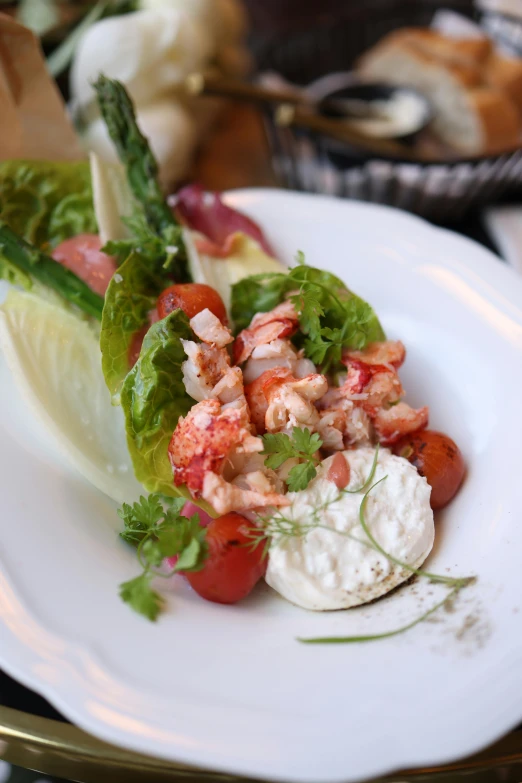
point(229, 536)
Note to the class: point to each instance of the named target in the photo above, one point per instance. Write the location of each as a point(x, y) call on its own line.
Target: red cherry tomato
point(438, 458)
point(233, 566)
point(83, 256)
point(192, 298)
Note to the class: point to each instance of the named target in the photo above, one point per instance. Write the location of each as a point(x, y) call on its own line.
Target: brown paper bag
point(33, 120)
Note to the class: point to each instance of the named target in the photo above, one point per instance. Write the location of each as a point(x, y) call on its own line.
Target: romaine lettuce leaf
point(131, 295)
point(245, 257)
point(153, 398)
point(112, 198)
point(54, 359)
point(46, 202)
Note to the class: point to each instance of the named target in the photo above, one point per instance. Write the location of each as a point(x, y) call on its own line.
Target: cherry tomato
point(83, 256)
point(192, 298)
point(439, 459)
point(233, 567)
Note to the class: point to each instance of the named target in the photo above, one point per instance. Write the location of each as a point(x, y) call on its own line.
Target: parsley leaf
point(279, 447)
point(155, 525)
point(141, 597)
point(300, 476)
point(140, 517)
point(306, 443)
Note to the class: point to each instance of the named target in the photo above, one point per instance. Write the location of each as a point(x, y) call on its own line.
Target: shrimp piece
point(224, 496)
point(203, 369)
point(372, 392)
point(213, 452)
point(278, 353)
point(210, 330)
point(343, 423)
point(279, 402)
point(290, 403)
point(255, 394)
point(282, 321)
point(207, 362)
point(207, 373)
point(392, 423)
point(229, 388)
point(203, 440)
point(389, 353)
point(372, 385)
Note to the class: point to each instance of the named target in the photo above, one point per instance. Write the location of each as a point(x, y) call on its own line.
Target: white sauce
point(402, 114)
point(325, 570)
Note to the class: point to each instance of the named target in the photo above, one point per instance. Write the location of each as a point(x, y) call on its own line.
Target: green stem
point(134, 152)
point(384, 635)
point(49, 272)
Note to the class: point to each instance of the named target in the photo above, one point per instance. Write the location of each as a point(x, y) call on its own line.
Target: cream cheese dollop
point(332, 566)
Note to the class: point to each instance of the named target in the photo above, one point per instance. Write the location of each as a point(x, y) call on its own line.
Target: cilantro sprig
point(303, 445)
point(159, 533)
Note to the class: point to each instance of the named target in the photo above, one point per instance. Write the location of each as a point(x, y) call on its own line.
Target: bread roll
point(505, 73)
point(469, 116)
point(466, 51)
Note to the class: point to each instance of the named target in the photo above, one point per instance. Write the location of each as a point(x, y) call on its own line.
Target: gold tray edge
point(63, 750)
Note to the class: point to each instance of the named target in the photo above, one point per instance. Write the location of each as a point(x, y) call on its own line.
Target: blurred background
point(268, 92)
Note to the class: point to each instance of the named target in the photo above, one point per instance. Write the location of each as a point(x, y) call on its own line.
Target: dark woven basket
point(304, 46)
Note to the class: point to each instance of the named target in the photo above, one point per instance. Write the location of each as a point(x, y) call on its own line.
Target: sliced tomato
point(83, 256)
point(192, 298)
point(233, 566)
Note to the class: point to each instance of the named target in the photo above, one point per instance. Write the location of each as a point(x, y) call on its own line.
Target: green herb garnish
point(387, 634)
point(159, 533)
point(302, 445)
point(331, 318)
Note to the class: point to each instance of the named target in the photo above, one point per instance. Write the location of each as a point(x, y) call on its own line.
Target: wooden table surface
point(236, 153)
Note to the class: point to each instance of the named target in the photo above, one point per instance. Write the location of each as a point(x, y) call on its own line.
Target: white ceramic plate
point(230, 688)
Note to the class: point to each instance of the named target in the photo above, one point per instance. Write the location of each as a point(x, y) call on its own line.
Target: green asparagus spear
point(134, 152)
point(31, 261)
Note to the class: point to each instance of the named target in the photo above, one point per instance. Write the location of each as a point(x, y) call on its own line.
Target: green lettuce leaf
point(131, 295)
point(53, 358)
point(153, 398)
point(332, 318)
point(245, 258)
point(46, 202)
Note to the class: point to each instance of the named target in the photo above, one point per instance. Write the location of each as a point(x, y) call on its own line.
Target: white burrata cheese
point(332, 566)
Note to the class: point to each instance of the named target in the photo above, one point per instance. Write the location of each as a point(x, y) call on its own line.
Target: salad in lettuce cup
point(168, 351)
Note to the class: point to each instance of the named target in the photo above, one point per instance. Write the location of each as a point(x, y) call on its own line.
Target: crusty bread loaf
point(505, 73)
point(403, 46)
point(494, 123)
point(470, 116)
point(466, 51)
